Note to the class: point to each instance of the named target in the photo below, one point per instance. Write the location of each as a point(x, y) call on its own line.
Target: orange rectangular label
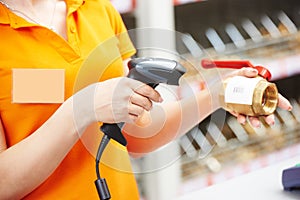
point(38, 85)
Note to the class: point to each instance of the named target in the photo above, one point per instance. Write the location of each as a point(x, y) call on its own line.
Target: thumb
point(248, 72)
point(283, 103)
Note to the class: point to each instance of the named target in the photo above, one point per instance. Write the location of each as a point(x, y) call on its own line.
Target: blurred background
point(264, 32)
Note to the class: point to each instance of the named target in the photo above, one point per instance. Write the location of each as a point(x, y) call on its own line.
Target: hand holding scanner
point(151, 71)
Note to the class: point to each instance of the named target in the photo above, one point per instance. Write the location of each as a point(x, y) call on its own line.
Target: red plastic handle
point(236, 64)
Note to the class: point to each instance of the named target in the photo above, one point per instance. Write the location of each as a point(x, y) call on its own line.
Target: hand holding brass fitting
point(255, 97)
point(249, 96)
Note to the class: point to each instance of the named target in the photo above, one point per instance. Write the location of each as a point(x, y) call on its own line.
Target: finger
point(144, 90)
point(133, 118)
point(149, 92)
point(234, 113)
point(283, 103)
point(141, 101)
point(248, 72)
point(254, 121)
point(135, 110)
point(241, 119)
point(270, 119)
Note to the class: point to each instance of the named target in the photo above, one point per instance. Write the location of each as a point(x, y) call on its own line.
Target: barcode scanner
point(151, 71)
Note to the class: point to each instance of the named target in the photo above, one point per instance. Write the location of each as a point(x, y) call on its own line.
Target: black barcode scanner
point(151, 71)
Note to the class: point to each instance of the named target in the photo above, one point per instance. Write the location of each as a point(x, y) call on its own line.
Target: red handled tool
point(235, 64)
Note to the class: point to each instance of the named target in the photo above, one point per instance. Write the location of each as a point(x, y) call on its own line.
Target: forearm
point(31, 161)
point(168, 122)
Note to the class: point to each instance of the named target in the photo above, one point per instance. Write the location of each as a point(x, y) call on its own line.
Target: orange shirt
point(90, 23)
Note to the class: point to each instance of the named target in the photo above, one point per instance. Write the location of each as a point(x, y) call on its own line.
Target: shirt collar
point(4, 18)
point(73, 5)
point(7, 17)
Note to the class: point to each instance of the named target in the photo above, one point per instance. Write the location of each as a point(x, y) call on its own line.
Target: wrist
point(81, 107)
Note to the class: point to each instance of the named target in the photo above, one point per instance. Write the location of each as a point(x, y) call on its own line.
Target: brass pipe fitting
point(264, 99)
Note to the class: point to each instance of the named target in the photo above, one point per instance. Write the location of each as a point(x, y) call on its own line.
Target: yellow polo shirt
point(90, 24)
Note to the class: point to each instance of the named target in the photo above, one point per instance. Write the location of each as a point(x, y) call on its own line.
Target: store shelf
point(210, 157)
point(265, 33)
point(279, 53)
point(239, 155)
point(264, 182)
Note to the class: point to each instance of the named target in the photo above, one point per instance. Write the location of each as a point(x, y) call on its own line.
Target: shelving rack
point(264, 32)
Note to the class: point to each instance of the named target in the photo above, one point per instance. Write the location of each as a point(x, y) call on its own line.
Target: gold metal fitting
point(264, 100)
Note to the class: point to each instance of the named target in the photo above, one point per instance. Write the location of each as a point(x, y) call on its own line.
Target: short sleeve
point(126, 46)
